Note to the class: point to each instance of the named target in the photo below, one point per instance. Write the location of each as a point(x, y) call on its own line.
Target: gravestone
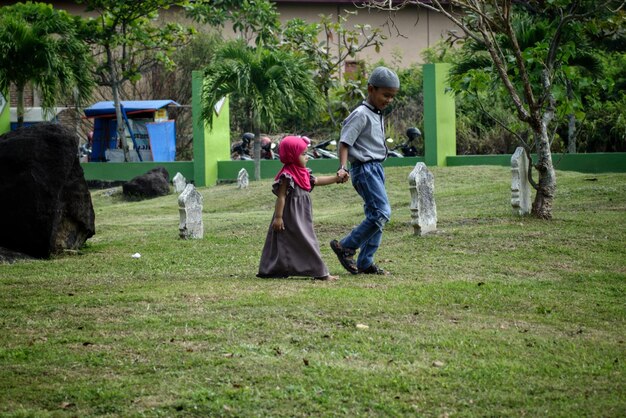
point(190, 209)
point(423, 207)
point(179, 182)
point(520, 186)
point(242, 179)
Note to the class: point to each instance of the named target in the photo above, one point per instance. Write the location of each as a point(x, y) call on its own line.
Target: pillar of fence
point(439, 115)
point(210, 144)
point(5, 113)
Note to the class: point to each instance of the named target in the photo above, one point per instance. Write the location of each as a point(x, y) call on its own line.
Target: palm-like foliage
point(38, 45)
point(531, 32)
point(270, 81)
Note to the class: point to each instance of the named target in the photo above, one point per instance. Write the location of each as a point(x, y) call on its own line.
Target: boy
point(363, 143)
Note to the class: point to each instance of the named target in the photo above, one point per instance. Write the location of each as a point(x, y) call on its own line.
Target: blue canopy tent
point(153, 135)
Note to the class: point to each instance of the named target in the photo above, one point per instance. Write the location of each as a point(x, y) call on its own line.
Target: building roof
point(108, 108)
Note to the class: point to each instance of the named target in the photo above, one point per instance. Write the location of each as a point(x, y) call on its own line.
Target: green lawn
point(493, 315)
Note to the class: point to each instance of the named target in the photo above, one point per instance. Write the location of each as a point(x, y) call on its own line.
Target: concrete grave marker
point(520, 186)
point(179, 183)
point(423, 207)
point(242, 179)
point(190, 209)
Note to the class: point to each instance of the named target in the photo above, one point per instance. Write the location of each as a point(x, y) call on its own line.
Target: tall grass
point(493, 315)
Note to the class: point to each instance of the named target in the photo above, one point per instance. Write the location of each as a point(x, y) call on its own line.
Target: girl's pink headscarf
point(290, 149)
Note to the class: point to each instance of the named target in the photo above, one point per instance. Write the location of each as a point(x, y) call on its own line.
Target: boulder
point(9, 257)
point(154, 183)
point(46, 205)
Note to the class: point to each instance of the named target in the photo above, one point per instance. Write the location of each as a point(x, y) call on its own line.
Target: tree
point(127, 41)
point(257, 21)
point(529, 74)
point(176, 85)
point(39, 46)
point(339, 43)
point(271, 81)
point(253, 20)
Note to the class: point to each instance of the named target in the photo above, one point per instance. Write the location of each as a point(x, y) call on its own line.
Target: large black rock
point(154, 183)
point(45, 203)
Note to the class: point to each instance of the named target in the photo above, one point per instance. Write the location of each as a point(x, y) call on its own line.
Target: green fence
point(212, 146)
point(584, 163)
point(604, 162)
point(126, 171)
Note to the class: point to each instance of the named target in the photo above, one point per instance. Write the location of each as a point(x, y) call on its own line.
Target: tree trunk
point(257, 148)
point(20, 106)
point(121, 132)
point(571, 133)
point(571, 123)
point(546, 186)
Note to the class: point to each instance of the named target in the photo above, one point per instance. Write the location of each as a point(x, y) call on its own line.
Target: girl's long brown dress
point(294, 251)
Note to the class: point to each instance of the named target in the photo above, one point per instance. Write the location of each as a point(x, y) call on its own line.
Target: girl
point(291, 247)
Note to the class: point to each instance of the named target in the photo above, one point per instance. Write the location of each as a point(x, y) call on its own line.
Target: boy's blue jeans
point(369, 181)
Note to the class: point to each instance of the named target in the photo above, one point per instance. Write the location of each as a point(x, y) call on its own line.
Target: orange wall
point(409, 30)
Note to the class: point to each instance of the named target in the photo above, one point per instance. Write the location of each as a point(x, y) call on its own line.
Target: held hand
point(343, 175)
point(278, 224)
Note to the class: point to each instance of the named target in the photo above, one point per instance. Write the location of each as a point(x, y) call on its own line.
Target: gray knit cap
point(384, 77)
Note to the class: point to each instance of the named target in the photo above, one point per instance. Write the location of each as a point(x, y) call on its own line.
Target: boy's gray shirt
point(364, 131)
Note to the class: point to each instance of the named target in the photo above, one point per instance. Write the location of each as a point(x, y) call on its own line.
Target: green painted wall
point(602, 162)
point(210, 145)
point(5, 114)
point(126, 171)
point(439, 115)
point(228, 170)
point(584, 163)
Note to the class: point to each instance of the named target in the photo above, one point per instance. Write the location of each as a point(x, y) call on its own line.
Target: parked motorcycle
point(268, 149)
point(240, 150)
point(407, 148)
point(84, 151)
point(321, 150)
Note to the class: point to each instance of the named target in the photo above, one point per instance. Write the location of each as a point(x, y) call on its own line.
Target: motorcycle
point(320, 150)
point(242, 150)
point(268, 149)
point(407, 148)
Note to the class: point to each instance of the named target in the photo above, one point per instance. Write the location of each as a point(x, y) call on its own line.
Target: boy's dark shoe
point(373, 269)
point(345, 256)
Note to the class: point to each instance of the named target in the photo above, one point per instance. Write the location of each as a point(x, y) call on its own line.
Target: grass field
point(493, 315)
